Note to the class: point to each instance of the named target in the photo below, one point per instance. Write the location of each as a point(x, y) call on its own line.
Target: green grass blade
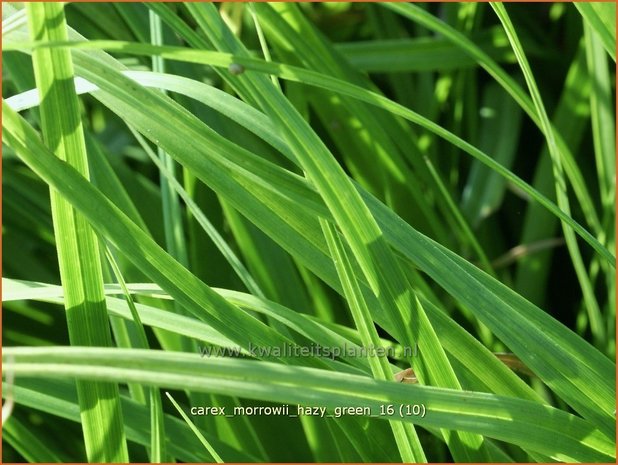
point(544, 429)
point(194, 429)
point(484, 191)
point(570, 117)
point(592, 306)
point(422, 54)
point(407, 440)
point(78, 250)
point(157, 435)
point(603, 124)
point(262, 39)
point(172, 213)
point(600, 17)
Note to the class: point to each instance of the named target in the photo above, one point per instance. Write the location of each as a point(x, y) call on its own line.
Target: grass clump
point(291, 185)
